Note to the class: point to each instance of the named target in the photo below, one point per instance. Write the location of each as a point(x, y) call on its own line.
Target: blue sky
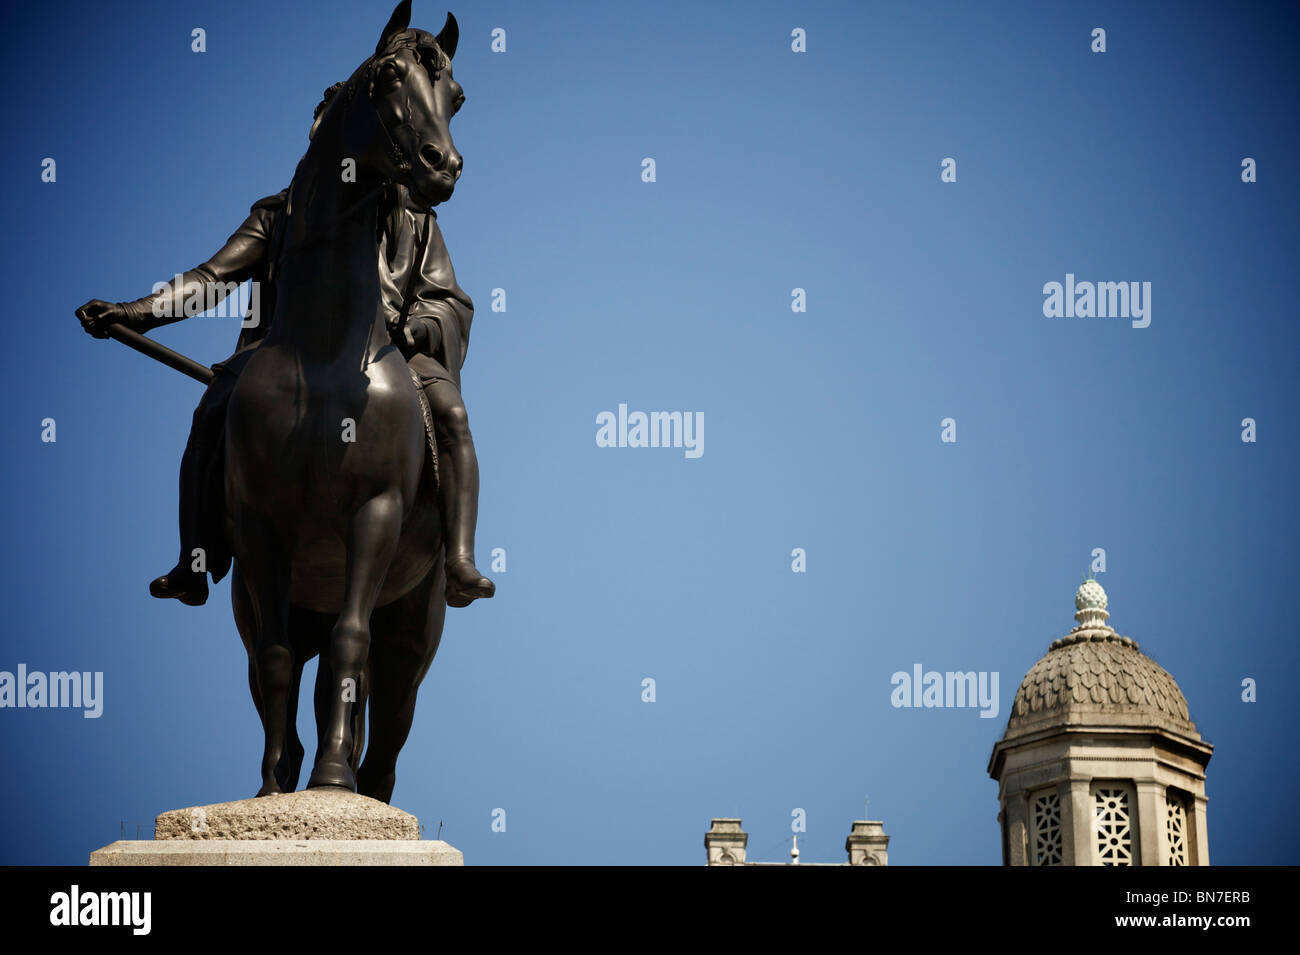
point(775, 171)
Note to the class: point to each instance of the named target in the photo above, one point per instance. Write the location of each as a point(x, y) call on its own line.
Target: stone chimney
point(867, 844)
point(725, 842)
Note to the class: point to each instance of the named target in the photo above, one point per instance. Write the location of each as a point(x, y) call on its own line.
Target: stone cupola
point(1100, 763)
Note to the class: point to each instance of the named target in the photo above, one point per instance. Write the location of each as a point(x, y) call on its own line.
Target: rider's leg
point(458, 492)
point(183, 582)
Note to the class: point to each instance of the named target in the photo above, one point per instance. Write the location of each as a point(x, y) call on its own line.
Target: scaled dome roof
point(1095, 676)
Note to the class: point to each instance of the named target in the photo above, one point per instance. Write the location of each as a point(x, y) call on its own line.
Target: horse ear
point(448, 36)
point(398, 22)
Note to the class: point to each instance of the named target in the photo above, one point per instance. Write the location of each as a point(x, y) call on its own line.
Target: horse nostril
point(432, 155)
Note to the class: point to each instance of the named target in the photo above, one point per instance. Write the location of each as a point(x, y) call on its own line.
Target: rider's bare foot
point(465, 584)
point(185, 585)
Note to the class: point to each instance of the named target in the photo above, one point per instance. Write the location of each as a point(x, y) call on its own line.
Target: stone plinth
point(312, 827)
point(310, 814)
point(277, 852)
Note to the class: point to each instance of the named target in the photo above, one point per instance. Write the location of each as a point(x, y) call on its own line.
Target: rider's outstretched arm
point(194, 291)
point(212, 282)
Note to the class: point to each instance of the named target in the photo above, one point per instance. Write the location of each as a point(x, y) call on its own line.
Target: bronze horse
point(331, 513)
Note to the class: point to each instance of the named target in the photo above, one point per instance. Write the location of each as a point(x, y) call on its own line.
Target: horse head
point(405, 135)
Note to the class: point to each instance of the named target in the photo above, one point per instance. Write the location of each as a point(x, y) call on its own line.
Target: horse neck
point(327, 288)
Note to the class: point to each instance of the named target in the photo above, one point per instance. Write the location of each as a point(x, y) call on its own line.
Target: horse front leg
point(372, 543)
point(323, 699)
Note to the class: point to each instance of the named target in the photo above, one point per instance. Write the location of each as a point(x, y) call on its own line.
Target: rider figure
point(430, 319)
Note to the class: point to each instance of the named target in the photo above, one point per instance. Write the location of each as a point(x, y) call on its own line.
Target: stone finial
point(867, 843)
point(725, 842)
point(1090, 606)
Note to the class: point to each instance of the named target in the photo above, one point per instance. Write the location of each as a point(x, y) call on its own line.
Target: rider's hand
point(422, 335)
point(96, 315)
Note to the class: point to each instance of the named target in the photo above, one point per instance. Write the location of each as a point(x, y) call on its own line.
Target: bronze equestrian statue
point(331, 502)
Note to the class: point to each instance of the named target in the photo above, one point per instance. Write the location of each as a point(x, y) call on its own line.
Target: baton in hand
point(147, 346)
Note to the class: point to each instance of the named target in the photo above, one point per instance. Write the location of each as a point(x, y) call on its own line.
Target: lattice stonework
point(1113, 825)
point(1047, 829)
point(1175, 830)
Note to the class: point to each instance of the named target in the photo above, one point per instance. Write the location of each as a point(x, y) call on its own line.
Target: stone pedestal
point(313, 827)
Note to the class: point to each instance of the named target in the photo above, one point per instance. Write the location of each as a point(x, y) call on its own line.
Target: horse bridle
point(398, 156)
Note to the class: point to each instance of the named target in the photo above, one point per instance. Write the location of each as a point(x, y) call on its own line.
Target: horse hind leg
point(372, 543)
point(407, 633)
point(290, 763)
point(265, 572)
point(308, 632)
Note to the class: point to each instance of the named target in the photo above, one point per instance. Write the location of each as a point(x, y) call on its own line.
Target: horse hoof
point(380, 788)
point(270, 789)
point(333, 776)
